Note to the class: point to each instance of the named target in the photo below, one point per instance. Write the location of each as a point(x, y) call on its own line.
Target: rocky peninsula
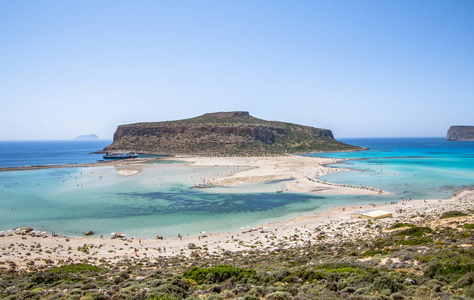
point(224, 134)
point(461, 133)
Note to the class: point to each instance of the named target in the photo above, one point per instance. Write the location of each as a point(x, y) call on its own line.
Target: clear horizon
point(359, 68)
point(337, 138)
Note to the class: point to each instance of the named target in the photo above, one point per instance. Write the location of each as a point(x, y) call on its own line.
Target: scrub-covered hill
point(224, 133)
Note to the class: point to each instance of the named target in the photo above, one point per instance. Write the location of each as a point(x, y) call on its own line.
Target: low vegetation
point(423, 261)
point(453, 214)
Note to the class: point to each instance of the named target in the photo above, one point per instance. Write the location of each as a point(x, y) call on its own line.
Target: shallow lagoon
point(411, 167)
point(160, 200)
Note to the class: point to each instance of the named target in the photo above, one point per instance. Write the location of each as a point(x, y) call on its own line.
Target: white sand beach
point(301, 173)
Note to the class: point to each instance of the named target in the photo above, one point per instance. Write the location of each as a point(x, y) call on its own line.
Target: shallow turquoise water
point(156, 201)
point(159, 200)
point(411, 168)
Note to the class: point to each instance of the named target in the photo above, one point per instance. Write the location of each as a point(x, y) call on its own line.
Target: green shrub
point(400, 225)
point(167, 291)
point(415, 231)
point(415, 241)
point(470, 292)
point(386, 283)
point(279, 296)
point(76, 268)
point(162, 297)
point(468, 226)
point(342, 270)
point(46, 278)
point(397, 296)
point(452, 214)
point(466, 280)
point(218, 274)
point(66, 272)
point(435, 269)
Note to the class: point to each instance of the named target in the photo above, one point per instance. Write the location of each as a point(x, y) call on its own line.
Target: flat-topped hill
point(224, 133)
point(461, 133)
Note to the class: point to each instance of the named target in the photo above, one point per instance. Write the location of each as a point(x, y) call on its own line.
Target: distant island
point(224, 134)
point(87, 137)
point(460, 133)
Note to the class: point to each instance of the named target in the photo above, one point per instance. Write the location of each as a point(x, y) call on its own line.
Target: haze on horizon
point(360, 68)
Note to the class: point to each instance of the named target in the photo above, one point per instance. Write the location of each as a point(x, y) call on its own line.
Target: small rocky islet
point(460, 133)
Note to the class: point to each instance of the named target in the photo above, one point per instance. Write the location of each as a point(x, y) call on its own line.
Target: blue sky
point(359, 68)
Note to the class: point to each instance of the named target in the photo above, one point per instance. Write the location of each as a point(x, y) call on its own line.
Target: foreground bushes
point(67, 272)
point(218, 274)
point(452, 214)
point(415, 263)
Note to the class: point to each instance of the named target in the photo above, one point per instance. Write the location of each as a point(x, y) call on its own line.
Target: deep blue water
point(33, 153)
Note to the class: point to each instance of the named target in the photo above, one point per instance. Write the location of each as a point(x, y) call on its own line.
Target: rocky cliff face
point(461, 133)
point(225, 133)
point(264, 134)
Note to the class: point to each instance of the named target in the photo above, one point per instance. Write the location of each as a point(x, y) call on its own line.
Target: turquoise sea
point(409, 167)
point(160, 200)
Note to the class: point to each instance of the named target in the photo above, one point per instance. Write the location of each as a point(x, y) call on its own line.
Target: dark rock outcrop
point(461, 133)
point(224, 133)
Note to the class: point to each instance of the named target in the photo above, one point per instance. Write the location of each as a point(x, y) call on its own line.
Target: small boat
point(124, 155)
